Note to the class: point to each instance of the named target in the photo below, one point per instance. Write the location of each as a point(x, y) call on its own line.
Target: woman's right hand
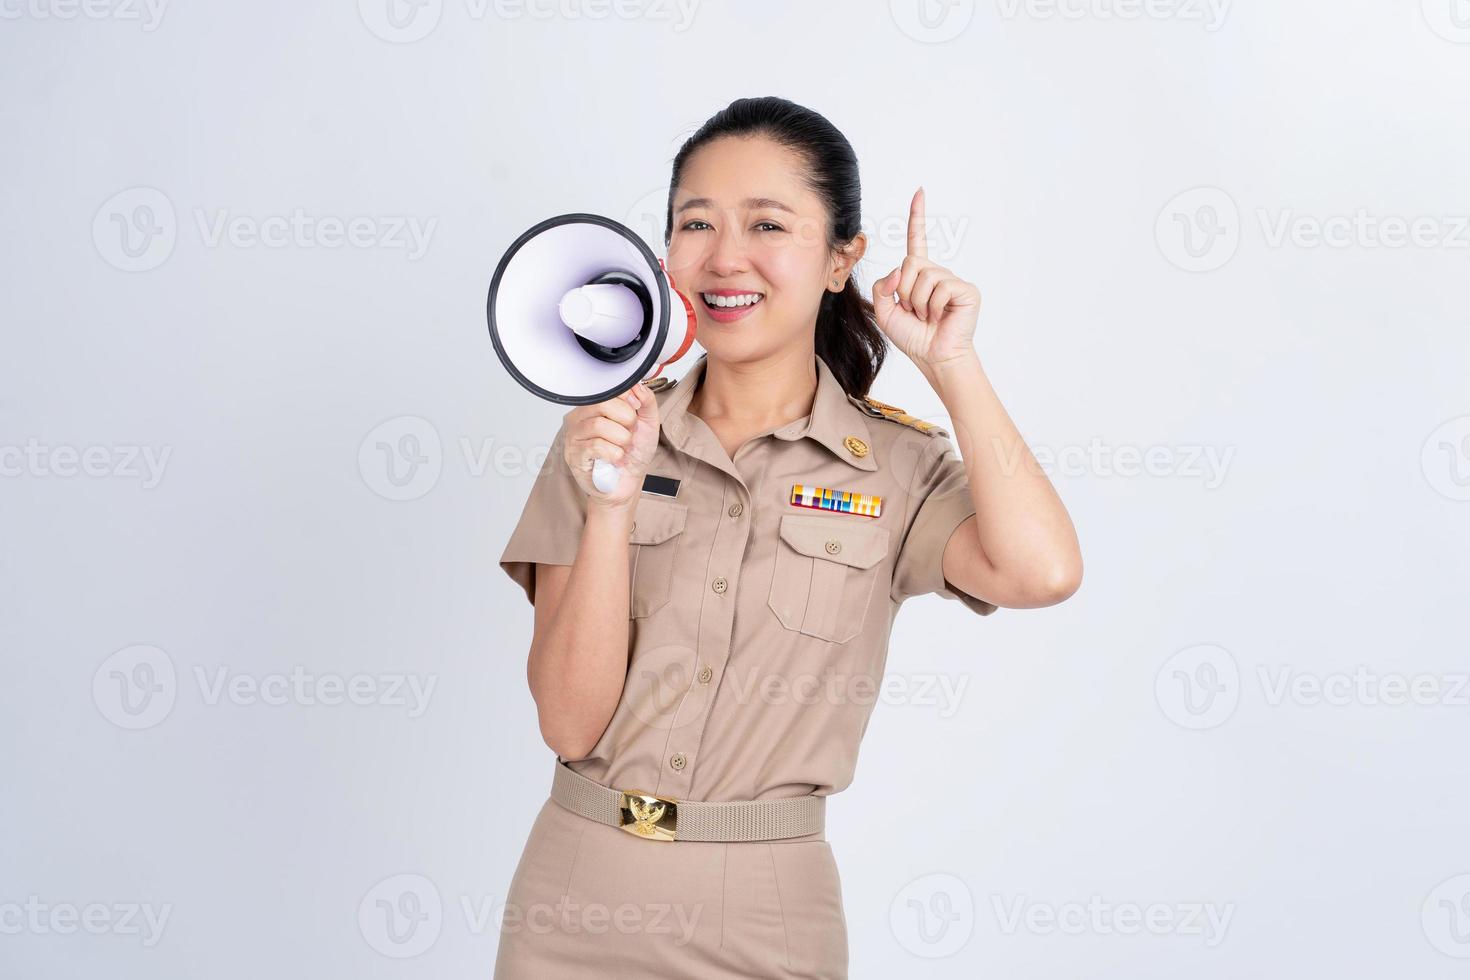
point(621, 430)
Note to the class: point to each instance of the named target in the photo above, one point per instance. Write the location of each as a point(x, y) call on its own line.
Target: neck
point(758, 394)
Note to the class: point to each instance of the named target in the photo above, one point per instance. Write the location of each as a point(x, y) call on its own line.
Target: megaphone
point(580, 311)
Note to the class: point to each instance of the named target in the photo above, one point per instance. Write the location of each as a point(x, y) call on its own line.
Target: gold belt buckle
point(645, 815)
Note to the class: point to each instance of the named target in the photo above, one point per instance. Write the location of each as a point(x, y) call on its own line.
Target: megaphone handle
point(605, 475)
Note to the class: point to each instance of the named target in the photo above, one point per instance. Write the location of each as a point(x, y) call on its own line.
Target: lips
point(729, 305)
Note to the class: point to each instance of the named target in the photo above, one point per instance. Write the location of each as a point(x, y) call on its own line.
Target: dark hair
point(847, 337)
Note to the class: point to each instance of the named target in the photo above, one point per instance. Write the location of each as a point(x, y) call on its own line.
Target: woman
point(769, 521)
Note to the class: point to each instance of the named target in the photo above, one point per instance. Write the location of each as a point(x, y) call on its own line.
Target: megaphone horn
point(580, 311)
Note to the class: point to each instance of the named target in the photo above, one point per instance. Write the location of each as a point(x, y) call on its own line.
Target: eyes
point(705, 226)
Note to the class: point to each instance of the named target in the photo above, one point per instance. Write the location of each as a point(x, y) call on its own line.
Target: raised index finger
point(918, 245)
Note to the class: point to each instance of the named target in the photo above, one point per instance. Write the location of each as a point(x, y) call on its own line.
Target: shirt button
point(720, 585)
point(678, 761)
point(705, 674)
point(736, 509)
point(834, 546)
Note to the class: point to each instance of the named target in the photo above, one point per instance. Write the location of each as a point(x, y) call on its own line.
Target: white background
point(1134, 188)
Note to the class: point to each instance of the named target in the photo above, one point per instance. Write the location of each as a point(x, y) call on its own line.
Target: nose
point(727, 253)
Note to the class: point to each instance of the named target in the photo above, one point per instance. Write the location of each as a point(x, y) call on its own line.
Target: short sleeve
point(941, 502)
point(550, 528)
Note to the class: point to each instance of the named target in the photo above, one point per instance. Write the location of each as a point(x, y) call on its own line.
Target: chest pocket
point(653, 544)
point(824, 574)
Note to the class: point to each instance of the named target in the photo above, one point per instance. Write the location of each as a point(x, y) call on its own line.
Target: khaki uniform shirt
point(758, 629)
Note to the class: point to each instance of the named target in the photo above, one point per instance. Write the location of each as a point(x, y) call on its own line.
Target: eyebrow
point(750, 202)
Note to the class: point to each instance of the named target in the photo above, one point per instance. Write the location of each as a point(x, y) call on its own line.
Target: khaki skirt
point(588, 899)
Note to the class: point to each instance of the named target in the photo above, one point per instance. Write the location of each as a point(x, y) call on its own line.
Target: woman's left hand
point(933, 319)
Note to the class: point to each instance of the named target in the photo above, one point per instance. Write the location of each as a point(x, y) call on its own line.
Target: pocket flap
point(656, 521)
point(858, 545)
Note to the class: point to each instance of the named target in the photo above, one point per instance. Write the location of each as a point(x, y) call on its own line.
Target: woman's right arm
point(579, 650)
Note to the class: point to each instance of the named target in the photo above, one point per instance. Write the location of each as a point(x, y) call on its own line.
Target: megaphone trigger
point(605, 475)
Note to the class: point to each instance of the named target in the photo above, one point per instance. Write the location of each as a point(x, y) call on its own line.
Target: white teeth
point(745, 299)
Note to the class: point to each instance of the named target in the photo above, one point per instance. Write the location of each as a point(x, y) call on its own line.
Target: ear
point(843, 259)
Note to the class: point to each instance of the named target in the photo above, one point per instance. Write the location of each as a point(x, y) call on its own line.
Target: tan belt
point(660, 818)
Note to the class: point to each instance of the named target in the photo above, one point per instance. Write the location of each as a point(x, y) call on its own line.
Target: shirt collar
point(833, 420)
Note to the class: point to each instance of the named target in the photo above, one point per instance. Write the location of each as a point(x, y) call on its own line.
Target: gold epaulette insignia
point(893, 413)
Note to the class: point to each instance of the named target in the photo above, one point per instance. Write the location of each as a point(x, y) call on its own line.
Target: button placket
point(712, 644)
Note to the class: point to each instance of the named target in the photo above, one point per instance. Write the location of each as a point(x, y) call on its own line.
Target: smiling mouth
point(737, 302)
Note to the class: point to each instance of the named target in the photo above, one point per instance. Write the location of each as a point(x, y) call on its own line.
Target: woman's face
point(748, 246)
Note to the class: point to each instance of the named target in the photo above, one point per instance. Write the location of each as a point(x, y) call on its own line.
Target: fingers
point(595, 449)
point(924, 283)
point(604, 428)
point(647, 404)
point(918, 244)
point(908, 275)
point(883, 291)
point(943, 291)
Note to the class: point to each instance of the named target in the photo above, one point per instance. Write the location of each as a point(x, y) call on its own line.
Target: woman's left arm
point(1020, 549)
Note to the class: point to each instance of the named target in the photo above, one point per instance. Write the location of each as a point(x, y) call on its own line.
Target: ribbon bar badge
point(841, 501)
